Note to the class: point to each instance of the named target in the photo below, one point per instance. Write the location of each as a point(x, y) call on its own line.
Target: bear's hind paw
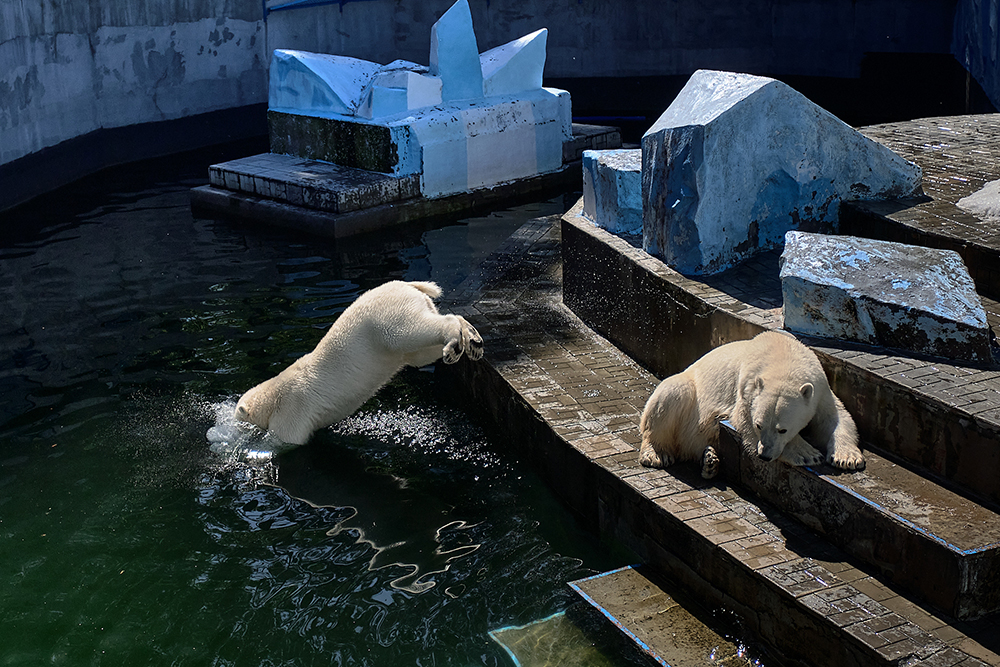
point(649, 458)
point(709, 463)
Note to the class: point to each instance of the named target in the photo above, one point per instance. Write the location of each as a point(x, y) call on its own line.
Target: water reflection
point(408, 529)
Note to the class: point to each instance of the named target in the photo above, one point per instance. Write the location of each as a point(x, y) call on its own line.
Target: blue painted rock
point(883, 293)
point(738, 160)
point(612, 190)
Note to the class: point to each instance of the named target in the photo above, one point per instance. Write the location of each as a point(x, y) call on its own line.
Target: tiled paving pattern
point(550, 366)
point(312, 184)
point(958, 156)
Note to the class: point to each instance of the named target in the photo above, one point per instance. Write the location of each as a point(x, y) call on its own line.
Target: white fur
point(771, 388)
point(386, 328)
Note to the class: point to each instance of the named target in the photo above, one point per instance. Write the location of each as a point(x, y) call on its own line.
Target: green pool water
point(131, 533)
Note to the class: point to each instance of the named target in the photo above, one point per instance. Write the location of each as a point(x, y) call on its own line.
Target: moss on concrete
point(342, 142)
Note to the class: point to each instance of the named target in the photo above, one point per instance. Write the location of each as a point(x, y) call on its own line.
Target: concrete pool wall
point(86, 86)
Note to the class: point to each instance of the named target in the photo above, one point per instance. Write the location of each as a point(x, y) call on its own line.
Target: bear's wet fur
point(391, 326)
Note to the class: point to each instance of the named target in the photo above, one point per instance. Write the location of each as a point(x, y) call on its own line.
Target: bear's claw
point(848, 460)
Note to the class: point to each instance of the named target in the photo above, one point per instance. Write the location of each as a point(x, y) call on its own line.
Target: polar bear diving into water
point(386, 328)
point(774, 392)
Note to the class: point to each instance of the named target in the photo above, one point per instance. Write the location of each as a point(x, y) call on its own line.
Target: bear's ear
point(758, 383)
point(807, 391)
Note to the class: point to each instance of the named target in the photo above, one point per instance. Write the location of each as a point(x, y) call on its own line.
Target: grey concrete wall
point(977, 43)
point(610, 38)
point(70, 68)
point(83, 68)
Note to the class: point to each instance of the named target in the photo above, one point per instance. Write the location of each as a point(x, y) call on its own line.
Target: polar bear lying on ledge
point(389, 327)
point(773, 391)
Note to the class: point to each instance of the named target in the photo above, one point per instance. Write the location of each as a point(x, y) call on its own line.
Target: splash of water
point(235, 441)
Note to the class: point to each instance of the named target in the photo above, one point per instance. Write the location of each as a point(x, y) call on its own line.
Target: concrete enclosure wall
point(605, 38)
point(76, 69)
point(977, 43)
point(68, 69)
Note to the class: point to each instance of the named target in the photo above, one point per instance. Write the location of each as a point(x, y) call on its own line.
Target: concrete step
point(632, 601)
point(943, 417)
point(941, 546)
point(569, 402)
point(335, 201)
point(311, 183)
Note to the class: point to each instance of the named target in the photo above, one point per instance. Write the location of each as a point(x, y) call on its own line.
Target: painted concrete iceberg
point(738, 160)
point(455, 54)
point(612, 190)
point(466, 121)
point(883, 293)
point(515, 66)
point(317, 83)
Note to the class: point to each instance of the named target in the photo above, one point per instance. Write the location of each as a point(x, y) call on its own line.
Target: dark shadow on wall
point(50, 168)
point(892, 87)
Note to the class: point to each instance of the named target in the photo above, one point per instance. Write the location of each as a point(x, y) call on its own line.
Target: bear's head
point(256, 406)
point(779, 411)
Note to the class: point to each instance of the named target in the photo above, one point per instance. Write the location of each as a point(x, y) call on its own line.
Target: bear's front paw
point(848, 459)
point(798, 452)
point(649, 458)
point(452, 352)
point(709, 463)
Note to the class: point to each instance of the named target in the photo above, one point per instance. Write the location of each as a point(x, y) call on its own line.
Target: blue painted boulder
point(738, 160)
point(612, 190)
point(883, 293)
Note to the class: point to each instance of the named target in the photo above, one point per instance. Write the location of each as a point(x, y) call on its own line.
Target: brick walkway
point(547, 372)
point(959, 156)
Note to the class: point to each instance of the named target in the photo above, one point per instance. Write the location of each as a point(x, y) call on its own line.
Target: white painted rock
point(883, 293)
point(455, 54)
point(497, 140)
point(738, 160)
point(984, 203)
point(515, 66)
point(612, 190)
point(317, 83)
point(399, 86)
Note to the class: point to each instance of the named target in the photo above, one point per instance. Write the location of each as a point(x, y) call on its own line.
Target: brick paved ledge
point(570, 401)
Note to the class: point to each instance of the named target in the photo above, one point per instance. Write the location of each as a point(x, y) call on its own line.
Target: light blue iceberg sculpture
point(465, 122)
